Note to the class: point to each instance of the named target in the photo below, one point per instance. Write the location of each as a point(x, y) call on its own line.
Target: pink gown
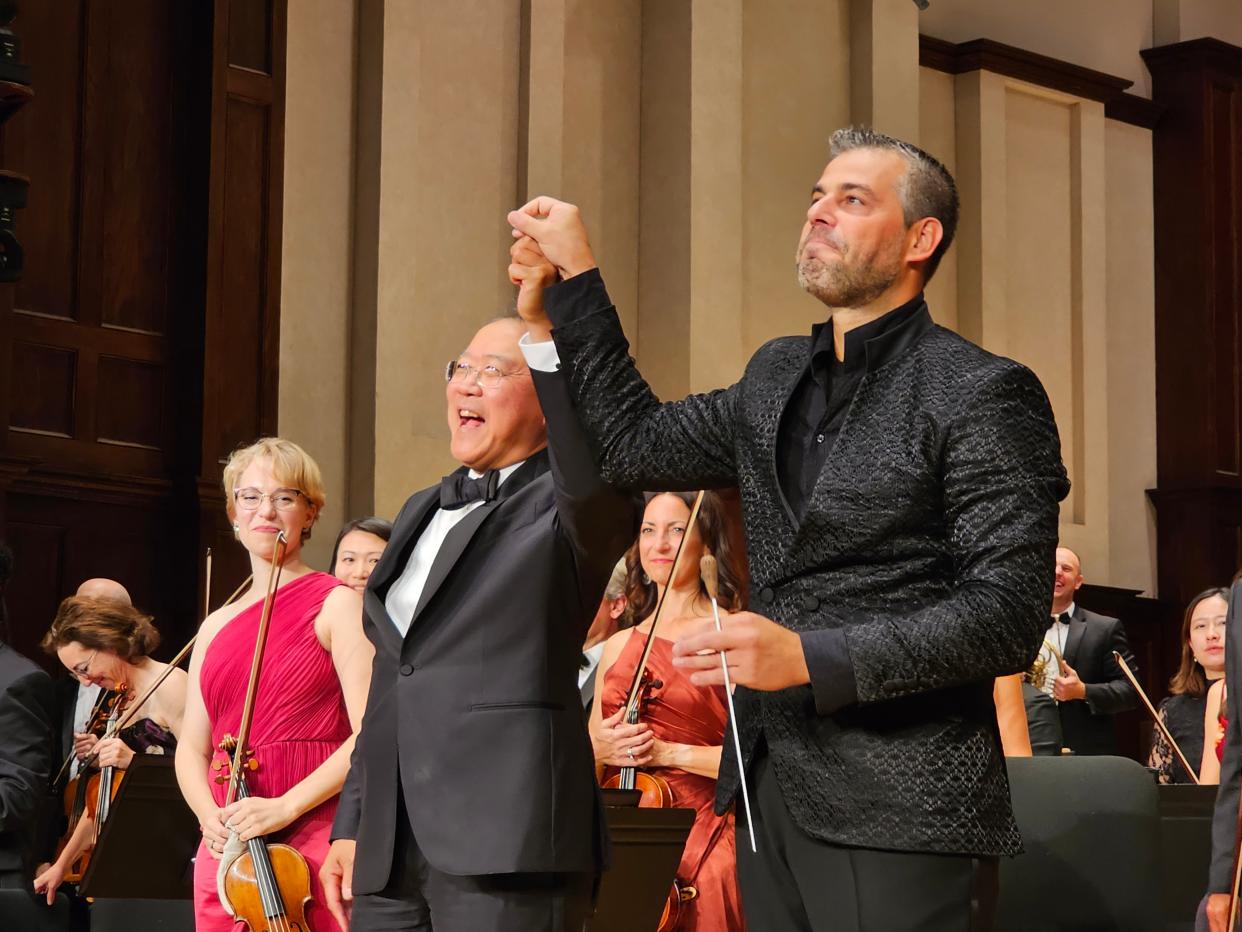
point(683, 713)
point(299, 720)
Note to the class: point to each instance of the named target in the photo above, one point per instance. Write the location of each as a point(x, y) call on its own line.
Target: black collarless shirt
point(821, 400)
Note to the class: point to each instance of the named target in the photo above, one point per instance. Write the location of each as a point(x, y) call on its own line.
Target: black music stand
point(145, 847)
point(646, 849)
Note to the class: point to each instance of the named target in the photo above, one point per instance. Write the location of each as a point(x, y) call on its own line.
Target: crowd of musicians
point(416, 732)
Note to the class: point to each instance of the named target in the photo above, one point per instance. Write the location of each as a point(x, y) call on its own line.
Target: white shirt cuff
point(541, 357)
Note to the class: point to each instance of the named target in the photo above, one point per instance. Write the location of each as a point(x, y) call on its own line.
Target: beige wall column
point(582, 127)
point(884, 66)
point(316, 244)
point(716, 182)
point(447, 174)
point(1031, 269)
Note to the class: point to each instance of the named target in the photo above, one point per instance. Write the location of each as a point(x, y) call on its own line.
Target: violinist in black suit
point(27, 746)
point(471, 801)
point(899, 487)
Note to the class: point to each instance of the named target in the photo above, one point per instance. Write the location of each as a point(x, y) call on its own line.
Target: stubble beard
point(838, 284)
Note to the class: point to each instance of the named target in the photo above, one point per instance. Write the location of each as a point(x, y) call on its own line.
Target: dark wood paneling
point(131, 403)
point(43, 142)
point(41, 385)
point(250, 35)
point(243, 248)
point(1197, 151)
point(1013, 62)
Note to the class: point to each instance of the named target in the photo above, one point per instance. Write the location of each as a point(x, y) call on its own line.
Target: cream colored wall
point(1056, 203)
point(316, 245)
point(1131, 336)
point(1183, 20)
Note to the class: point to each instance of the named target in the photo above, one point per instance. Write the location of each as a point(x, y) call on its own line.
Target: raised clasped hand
point(557, 227)
point(619, 744)
point(530, 270)
point(760, 653)
point(256, 815)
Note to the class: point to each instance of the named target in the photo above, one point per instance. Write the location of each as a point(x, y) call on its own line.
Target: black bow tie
point(458, 489)
point(1064, 618)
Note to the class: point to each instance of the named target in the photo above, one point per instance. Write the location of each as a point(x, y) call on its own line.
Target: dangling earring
point(236, 529)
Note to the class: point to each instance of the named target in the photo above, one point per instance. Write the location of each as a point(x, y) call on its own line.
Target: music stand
point(145, 847)
point(646, 848)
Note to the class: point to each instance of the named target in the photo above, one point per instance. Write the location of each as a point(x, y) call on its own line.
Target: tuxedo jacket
point(925, 554)
point(1225, 818)
point(474, 717)
point(1087, 724)
point(27, 748)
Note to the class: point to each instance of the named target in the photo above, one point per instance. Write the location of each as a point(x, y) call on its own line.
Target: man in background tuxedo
point(1090, 687)
point(471, 801)
point(605, 624)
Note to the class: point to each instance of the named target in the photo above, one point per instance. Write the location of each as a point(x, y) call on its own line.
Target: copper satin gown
point(683, 713)
point(299, 720)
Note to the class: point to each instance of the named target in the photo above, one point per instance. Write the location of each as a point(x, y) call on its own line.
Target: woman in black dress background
point(1203, 662)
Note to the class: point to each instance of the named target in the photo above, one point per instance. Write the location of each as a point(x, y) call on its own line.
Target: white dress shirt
point(87, 696)
point(403, 595)
point(593, 656)
point(1057, 636)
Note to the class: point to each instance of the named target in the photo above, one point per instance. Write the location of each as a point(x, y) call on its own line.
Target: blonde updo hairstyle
point(102, 624)
point(293, 467)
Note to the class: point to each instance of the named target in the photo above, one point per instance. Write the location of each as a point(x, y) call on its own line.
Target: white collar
point(505, 472)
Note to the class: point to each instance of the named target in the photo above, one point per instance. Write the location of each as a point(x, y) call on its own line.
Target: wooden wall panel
point(41, 384)
point(132, 403)
point(1197, 148)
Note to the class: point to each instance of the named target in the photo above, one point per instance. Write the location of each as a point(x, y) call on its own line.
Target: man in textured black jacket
point(900, 487)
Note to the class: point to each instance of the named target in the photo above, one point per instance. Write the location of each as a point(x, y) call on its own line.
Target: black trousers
point(419, 897)
point(797, 883)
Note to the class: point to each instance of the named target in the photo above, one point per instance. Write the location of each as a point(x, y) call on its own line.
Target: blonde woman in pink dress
point(311, 693)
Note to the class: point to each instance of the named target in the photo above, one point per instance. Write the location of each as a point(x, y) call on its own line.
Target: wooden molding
point(987, 55)
point(1212, 53)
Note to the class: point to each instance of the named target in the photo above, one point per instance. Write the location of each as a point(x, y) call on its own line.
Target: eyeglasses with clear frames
point(487, 376)
point(282, 499)
point(83, 670)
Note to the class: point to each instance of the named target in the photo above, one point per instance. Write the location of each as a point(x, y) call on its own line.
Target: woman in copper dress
point(683, 727)
point(311, 692)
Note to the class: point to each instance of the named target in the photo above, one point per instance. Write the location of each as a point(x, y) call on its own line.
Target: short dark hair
point(927, 190)
point(102, 624)
point(371, 525)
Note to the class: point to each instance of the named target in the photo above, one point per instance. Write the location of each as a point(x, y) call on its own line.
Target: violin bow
point(132, 710)
point(1155, 717)
point(636, 686)
point(90, 719)
point(207, 588)
point(256, 664)
point(709, 571)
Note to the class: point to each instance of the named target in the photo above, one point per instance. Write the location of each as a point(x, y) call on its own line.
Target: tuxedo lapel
point(1077, 630)
point(454, 546)
point(409, 526)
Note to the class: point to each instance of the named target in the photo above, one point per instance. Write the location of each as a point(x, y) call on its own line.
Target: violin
point(656, 794)
point(267, 886)
point(103, 785)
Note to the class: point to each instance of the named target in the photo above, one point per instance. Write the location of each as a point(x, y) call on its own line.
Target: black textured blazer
point(928, 540)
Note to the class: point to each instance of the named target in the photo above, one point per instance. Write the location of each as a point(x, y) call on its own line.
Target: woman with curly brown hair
point(683, 726)
point(108, 643)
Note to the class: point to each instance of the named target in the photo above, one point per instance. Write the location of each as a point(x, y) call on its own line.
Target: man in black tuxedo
point(1089, 687)
point(899, 487)
point(27, 745)
point(471, 801)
